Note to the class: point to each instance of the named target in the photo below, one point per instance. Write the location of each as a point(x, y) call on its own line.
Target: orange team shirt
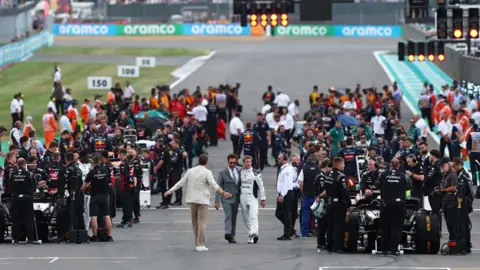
point(343, 99)
point(164, 101)
point(189, 100)
point(446, 110)
point(110, 96)
point(49, 123)
point(463, 122)
point(154, 103)
point(84, 113)
point(27, 130)
point(451, 97)
point(438, 108)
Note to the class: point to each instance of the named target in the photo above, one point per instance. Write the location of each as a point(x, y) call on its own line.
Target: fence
point(18, 51)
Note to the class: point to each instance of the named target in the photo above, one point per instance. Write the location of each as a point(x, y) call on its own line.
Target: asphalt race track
point(163, 239)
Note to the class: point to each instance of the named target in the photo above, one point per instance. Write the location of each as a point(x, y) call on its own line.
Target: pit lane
point(164, 238)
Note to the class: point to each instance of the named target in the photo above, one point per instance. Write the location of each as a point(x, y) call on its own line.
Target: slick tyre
point(427, 234)
point(352, 225)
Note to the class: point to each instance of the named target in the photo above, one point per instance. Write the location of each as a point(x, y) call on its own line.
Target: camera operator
point(393, 185)
point(447, 190)
point(40, 177)
point(464, 192)
point(99, 181)
point(370, 178)
point(337, 195)
point(22, 187)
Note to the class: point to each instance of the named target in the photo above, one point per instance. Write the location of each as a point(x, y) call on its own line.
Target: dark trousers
point(426, 113)
point(22, 212)
point(15, 118)
point(336, 224)
point(284, 213)
point(136, 202)
point(436, 204)
point(162, 188)
point(450, 213)
point(212, 132)
point(188, 164)
point(295, 212)
point(234, 139)
point(263, 157)
point(59, 106)
point(392, 219)
point(444, 144)
point(174, 178)
point(222, 114)
point(322, 224)
point(127, 206)
point(474, 167)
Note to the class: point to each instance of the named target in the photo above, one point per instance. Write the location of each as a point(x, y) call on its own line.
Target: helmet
point(319, 209)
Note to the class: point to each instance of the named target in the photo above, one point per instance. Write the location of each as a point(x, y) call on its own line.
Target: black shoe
point(15, 242)
point(122, 225)
point(255, 239)
point(284, 238)
point(177, 204)
point(136, 220)
point(93, 238)
point(395, 253)
point(469, 251)
point(339, 251)
point(321, 246)
point(385, 253)
point(109, 239)
point(329, 251)
point(228, 237)
point(233, 240)
point(130, 224)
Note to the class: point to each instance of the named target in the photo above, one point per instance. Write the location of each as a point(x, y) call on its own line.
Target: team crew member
point(99, 181)
point(48, 156)
point(161, 168)
point(306, 178)
point(393, 185)
point(229, 180)
point(464, 191)
point(40, 177)
point(136, 174)
point(177, 159)
point(325, 167)
point(335, 186)
point(22, 187)
point(349, 155)
point(263, 131)
point(53, 171)
point(251, 181)
point(414, 170)
point(11, 163)
point(432, 181)
point(249, 141)
point(370, 178)
point(127, 185)
point(71, 176)
point(448, 188)
point(211, 127)
point(286, 176)
point(236, 129)
point(473, 148)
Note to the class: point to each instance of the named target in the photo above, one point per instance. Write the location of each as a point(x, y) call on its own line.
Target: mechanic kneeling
point(99, 181)
point(393, 185)
point(22, 187)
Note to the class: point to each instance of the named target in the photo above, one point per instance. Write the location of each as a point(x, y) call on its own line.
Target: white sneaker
point(250, 240)
point(201, 248)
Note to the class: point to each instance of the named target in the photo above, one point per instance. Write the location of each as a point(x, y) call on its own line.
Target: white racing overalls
point(248, 201)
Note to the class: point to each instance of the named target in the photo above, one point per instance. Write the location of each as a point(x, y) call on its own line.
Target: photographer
point(99, 181)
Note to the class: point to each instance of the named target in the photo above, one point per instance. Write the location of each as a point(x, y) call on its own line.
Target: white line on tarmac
point(66, 258)
point(382, 267)
point(54, 259)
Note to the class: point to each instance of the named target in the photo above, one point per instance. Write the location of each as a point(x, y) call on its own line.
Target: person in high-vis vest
point(85, 111)
point(468, 131)
point(439, 105)
point(73, 115)
point(49, 126)
point(28, 126)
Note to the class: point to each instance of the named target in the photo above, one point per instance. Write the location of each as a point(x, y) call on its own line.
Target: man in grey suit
point(229, 180)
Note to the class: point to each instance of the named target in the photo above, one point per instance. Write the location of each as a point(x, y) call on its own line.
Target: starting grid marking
point(54, 259)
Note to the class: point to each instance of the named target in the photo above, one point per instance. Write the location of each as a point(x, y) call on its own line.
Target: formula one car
point(420, 234)
point(46, 208)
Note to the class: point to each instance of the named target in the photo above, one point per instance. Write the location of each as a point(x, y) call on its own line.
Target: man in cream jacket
point(199, 181)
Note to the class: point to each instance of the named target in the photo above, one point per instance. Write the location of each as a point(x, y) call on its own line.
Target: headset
point(413, 158)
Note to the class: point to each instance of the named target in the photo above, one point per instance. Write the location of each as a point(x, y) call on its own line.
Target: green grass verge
point(34, 80)
point(67, 50)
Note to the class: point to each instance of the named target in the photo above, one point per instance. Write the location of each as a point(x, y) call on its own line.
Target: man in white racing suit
point(251, 182)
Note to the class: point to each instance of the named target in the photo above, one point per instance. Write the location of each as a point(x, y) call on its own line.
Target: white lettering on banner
point(83, 29)
point(216, 29)
point(367, 31)
point(304, 30)
point(149, 29)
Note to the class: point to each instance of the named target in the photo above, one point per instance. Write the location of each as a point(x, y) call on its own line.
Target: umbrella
point(347, 120)
point(151, 114)
point(154, 123)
